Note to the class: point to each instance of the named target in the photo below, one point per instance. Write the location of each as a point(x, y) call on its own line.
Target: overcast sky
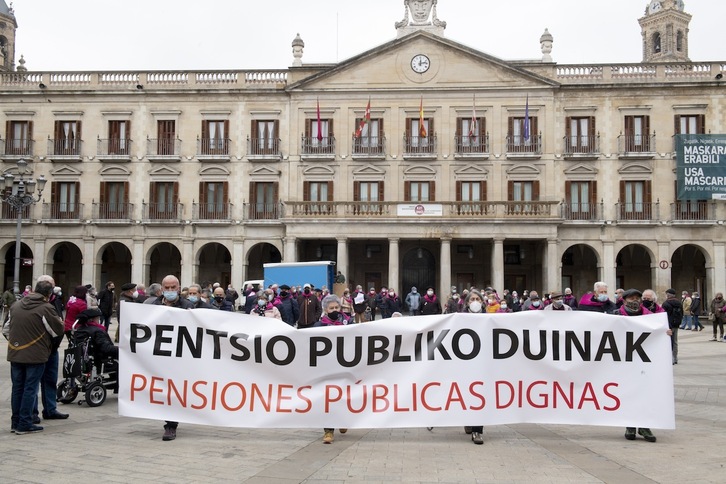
point(242, 34)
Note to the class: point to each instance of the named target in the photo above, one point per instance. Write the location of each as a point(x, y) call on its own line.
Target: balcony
point(163, 149)
point(15, 149)
point(503, 210)
point(637, 212)
point(112, 212)
point(582, 147)
point(519, 148)
point(693, 211)
point(62, 212)
point(419, 147)
point(636, 146)
point(114, 149)
point(65, 150)
point(369, 148)
point(472, 147)
point(213, 149)
point(162, 212)
point(264, 149)
point(314, 148)
point(8, 213)
point(582, 212)
point(212, 212)
point(263, 211)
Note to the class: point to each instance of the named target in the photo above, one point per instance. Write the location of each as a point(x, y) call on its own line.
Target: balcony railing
point(312, 146)
point(65, 148)
point(163, 148)
point(456, 210)
point(693, 210)
point(636, 144)
point(264, 211)
point(518, 145)
point(115, 148)
point(213, 147)
point(369, 147)
point(211, 211)
point(17, 148)
point(418, 146)
point(168, 212)
point(264, 148)
point(582, 211)
point(582, 145)
point(10, 213)
point(471, 145)
point(113, 211)
point(62, 211)
point(643, 212)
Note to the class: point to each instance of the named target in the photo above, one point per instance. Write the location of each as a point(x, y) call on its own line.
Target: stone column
point(662, 279)
point(553, 268)
point(608, 270)
point(45, 266)
point(290, 249)
point(445, 269)
point(342, 262)
point(238, 264)
point(139, 267)
point(393, 262)
point(498, 265)
point(187, 263)
point(715, 275)
point(88, 267)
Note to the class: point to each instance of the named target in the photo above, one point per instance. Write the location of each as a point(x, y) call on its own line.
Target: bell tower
point(8, 26)
point(665, 31)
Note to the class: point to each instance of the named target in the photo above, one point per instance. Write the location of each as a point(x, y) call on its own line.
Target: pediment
point(524, 171)
point(420, 172)
point(214, 171)
point(66, 170)
point(582, 171)
point(452, 64)
point(636, 168)
point(369, 172)
point(471, 172)
point(318, 172)
point(265, 170)
point(165, 170)
point(114, 171)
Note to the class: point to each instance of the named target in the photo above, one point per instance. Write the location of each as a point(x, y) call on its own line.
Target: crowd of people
point(298, 306)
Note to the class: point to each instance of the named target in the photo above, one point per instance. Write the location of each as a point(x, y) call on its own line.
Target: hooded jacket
point(32, 330)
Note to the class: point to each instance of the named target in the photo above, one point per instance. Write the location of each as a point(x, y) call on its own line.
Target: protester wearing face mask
point(718, 304)
point(372, 301)
point(286, 304)
point(413, 301)
point(453, 305)
point(650, 301)
point(220, 301)
point(265, 308)
point(128, 295)
point(558, 303)
point(533, 303)
point(430, 304)
point(76, 303)
point(394, 301)
point(194, 296)
point(597, 301)
point(383, 303)
point(492, 303)
point(360, 304)
point(310, 308)
point(474, 304)
point(346, 303)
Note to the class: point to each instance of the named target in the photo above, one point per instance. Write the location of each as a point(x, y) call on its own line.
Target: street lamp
point(20, 193)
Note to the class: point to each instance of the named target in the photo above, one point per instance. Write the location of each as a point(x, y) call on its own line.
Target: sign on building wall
point(701, 166)
point(420, 210)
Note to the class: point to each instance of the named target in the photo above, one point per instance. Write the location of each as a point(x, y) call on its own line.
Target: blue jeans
point(26, 378)
point(48, 384)
point(687, 321)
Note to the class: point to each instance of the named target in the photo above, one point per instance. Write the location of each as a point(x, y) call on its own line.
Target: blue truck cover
point(318, 273)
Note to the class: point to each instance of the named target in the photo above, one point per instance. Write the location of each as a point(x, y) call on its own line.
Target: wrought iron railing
point(520, 145)
point(582, 144)
point(472, 145)
point(62, 211)
point(213, 146)
point(17, 147)
point(582, 211)
point(414, 145)
point(65, 147)
point(637, 211)
point(264, 147)
point(163, 147)
point(636, 143)
point(693, 210)
point(113, 211)
point(211, 211)
point(163, 211)
point(312, 145)
point(369, 146)
point(114, 147)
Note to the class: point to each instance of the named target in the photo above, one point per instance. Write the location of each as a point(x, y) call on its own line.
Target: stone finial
point(420, 15)
point(546, 44)
point(297, 51)
point(21, 67)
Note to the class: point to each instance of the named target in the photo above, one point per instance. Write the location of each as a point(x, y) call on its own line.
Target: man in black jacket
point(106, 303)
point(288, 307)
point(674, 309)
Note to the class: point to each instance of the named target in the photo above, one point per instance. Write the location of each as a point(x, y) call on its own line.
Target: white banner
point(228, 369)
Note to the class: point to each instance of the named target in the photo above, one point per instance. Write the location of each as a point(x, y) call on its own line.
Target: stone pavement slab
point(97, 444)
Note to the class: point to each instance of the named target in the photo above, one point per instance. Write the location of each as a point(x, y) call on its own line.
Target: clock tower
point(665, 31)
point(8, 25)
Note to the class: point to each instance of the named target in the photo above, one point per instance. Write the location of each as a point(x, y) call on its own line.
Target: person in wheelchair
point(104, 351)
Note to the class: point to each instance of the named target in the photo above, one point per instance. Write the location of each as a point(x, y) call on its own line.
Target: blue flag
point(526, 120)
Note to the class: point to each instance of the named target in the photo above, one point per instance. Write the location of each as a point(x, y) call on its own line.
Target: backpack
point(675, 312)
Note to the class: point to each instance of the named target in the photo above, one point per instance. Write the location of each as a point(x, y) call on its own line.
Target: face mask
point(171, 296)
point(455, 297)
point(413, 291)
point(633, 306)
point(193, 299)
point(492, 302)
point(270, 297)
point(392, 293)
point(648, 304)
point(557, 304)
point(430, 293)
point(262, 303)
point(602, 297)
point(334, 315)
point(373, 292)
point(475, 307)
point(135, 294)
point(307, 290)
point(503, 306)
point(536, 303)
point(283, 294)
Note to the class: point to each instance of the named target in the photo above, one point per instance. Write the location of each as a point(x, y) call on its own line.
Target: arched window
point(656, 43)
point(679, 41)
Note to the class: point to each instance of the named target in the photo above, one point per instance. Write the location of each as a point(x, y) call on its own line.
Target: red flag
point(421, 128)
point(320, 124)
point(366, 120)
point(473, 125)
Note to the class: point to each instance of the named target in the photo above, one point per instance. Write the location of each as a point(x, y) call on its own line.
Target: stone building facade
point(419, 162)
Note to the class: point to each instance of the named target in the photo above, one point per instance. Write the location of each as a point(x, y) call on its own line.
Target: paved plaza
point(96, 444)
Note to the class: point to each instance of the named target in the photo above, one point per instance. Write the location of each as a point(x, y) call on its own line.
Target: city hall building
point(420, 162)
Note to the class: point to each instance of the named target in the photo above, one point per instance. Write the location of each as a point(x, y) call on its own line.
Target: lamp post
point(19, 193)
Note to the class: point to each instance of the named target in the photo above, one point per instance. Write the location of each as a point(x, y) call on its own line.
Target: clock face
point(655, 7)
point(420, 63)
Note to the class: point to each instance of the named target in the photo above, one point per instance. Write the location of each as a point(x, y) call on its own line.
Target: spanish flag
point(366, 119)
point(421, 126)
